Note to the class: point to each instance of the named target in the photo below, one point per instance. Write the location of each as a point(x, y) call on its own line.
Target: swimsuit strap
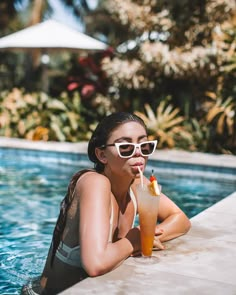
point(111, 224)
point(132, 196)
point(69, 255)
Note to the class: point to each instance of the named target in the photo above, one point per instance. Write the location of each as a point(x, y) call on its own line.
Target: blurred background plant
point(179, 50)
point(37, 116)
point(172, 62)
point(166, 125)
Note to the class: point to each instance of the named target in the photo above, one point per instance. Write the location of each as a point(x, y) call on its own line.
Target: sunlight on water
point(30, 195)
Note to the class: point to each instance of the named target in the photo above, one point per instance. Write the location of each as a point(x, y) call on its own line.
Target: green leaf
point(56, 105)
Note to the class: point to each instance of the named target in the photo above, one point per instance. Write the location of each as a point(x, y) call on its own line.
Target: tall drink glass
point(148, 212)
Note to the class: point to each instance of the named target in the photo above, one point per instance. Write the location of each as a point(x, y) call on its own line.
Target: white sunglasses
point(127, 149)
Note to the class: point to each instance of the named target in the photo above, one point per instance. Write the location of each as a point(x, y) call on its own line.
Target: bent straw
point(141, 175)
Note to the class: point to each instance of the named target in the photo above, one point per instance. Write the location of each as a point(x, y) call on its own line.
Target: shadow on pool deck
point(200, 262)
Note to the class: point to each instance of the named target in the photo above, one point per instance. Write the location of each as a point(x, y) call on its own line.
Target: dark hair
point(104, 130)
point(99, 138)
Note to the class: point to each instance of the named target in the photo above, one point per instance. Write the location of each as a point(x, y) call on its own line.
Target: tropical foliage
point(37, 116)
point(163, 49)
point(166, 125)
point(173, 63)
point(177, 49)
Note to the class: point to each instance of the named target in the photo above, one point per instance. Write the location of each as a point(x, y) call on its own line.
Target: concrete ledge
point(178, 156)
point(17, 143)
point(201, 262)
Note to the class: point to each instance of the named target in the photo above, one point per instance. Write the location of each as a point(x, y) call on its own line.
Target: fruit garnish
point(153, 186)
point(152, 178)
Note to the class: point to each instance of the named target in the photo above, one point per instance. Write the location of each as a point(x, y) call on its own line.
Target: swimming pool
point(32, 184)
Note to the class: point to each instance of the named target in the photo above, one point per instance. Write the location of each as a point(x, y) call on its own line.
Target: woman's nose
point(137, 151)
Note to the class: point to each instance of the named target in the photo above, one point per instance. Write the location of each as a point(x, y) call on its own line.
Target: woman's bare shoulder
point(93, 180)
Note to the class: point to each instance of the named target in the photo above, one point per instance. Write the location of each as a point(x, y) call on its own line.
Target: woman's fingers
point(157, 245)
point(136, 253)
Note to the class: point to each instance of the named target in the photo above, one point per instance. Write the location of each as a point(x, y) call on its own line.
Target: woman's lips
point(136, 165)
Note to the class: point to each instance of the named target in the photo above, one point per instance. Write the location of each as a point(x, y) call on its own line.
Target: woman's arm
point(173, 221)
point(97, 254)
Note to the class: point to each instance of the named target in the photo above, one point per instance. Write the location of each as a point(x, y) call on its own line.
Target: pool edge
point(172, 156)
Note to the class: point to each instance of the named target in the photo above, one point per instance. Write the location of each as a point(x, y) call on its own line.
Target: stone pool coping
point(200, 262)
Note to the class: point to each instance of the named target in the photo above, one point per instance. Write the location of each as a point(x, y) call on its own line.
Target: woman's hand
point(157, 245)
point(134, 237)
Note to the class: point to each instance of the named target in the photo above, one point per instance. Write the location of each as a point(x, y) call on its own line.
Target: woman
point(95, 230)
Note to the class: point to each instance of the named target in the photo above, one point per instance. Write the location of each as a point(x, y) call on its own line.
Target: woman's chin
point(137, 176)
point(135, 170)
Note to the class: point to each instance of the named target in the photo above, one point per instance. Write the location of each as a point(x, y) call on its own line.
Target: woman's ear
point(100, 153)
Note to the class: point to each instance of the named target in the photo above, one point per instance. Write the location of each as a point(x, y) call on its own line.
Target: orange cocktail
point(148, 211)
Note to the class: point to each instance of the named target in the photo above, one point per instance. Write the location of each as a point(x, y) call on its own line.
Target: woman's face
point(130, 132)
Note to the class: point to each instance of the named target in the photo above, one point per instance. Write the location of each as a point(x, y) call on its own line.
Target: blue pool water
point(31, 188)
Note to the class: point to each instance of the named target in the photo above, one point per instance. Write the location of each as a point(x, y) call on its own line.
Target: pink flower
point(88, 90)
point(72, 86)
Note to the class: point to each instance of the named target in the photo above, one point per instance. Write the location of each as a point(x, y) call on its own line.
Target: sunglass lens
point(126, 150)
point(147, 148)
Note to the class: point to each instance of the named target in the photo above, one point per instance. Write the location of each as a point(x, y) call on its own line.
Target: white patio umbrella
point(50, 35)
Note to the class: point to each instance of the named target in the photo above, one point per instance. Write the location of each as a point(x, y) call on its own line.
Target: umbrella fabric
point(51, 35)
